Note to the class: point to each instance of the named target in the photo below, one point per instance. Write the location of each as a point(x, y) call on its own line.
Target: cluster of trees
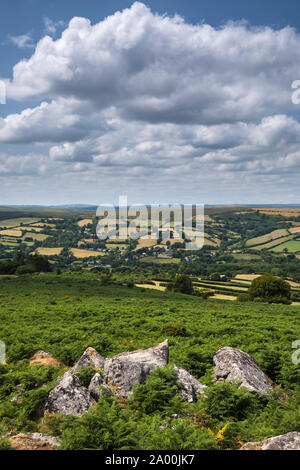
point(23, 264)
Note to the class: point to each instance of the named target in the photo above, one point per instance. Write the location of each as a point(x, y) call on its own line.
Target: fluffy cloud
point(140, 94)
point(23, 41)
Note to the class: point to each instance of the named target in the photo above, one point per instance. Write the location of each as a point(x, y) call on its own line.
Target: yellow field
point(145, 243)
point(48, 251)
point(247, 277)
point(150, 286)
point(84, 222)
point(85, 253)
point(42, 224)
point(30, 228)
point(250, 277)
point(11, 233)
point(278, 211)
point(294, 229)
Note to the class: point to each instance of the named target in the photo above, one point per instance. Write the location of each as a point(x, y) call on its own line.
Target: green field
point(9, 223)
point(65, 314)
point(152, 259)
point(292, 247)
point(273, 243)
point(35, 236)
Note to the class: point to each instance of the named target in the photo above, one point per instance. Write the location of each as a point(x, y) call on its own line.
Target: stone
point(192, 387)
point(233, 365)
point(96, 382)
point(91, 358)
point(69, 397)
point(289, 441)
point(123, 371)
point(33, 441)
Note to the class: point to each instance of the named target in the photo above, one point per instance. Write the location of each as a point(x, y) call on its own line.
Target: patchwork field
point(273, 243)
point(145, 243)
point(294, 230)
point(78, 253)
point(35, 236)
point(84, 222)
point(268, 237)
point(291, 246)
point(49, 251)
point(17, 221)
point(153, 259)
point(11, 233)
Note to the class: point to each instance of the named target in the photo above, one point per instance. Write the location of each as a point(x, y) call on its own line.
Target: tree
point(272, 289)
point(182, 283)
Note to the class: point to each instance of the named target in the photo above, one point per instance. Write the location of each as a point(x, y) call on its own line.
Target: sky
point(163, 101)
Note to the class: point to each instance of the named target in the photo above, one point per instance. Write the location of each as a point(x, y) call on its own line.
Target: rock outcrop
point(94, 387)
point(33, 441)
point(233, 365)
point(69, 397)
point(192, 387)
point(91, 358)
point(289, 441)
point(125, 370)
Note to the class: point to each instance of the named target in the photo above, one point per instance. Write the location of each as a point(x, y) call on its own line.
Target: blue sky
point(196, 109)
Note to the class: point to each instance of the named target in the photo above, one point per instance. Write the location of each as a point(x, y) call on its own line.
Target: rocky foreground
point(118, 375)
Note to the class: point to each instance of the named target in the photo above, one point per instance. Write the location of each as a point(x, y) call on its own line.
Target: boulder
point(233, 365)
point(33, 441)
point(289, 441)
point(91, 358)
point(192, 387)
point(125, 370)
point(69, 397)
point(94, 389)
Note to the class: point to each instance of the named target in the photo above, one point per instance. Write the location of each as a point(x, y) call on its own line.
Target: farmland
point(114, 295)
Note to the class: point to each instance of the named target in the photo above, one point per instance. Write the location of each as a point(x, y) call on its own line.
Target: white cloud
point(23, 41)
point(52, 26)
point(140, 97)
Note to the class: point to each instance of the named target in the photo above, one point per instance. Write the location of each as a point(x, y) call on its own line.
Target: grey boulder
point(233, 365)
point(69, 397)
point(94, 387)
point(289, 441)
point(123, 371)
point(91, 358)
point(192, 388)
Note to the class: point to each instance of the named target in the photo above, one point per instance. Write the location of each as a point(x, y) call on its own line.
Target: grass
point(65, 314)
point(113, 246)
point(273, 243)
point(35, 236)
point(152, 259)
point(17, 221)
point(292, 247)
point(268, 237)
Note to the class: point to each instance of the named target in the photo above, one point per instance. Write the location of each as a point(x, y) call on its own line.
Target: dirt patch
point(34, 441)
point(45, 359)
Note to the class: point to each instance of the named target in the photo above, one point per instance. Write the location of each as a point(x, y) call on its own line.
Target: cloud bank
point(159, 102)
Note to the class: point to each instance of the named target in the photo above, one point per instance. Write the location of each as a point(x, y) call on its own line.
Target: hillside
point(65, 314)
